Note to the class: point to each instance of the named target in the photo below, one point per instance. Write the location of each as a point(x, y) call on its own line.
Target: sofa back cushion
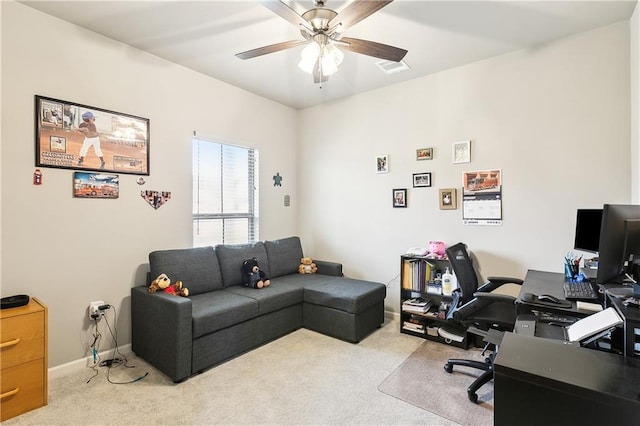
point(197, 268)
point(284, 256)
point(231, 257)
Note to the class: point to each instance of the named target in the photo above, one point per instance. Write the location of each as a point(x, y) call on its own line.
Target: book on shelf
point(415, 327)
point(416, 273)
point(417, 304)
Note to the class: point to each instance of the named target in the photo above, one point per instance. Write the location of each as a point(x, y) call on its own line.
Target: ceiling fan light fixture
point(331, 58)
point(309, 57)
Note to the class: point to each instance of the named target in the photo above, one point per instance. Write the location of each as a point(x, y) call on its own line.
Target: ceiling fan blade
point(372, 48)
point(270, 49)
point(356, 11)
point(283, 10)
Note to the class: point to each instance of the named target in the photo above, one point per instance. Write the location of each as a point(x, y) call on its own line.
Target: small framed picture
point(382, 163)
point(448, 199)
point(424, 154)
point(421, 180)
point(462, 152)
point(400, 197)
point(95, 185)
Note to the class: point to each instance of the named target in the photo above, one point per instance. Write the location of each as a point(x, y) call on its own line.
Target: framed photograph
point(400, 197)
point(83, 137)
point(448, 199)
point(382, 163)
point(421, 180)
point(424, 154)
point(95, 185)
point(462, 152)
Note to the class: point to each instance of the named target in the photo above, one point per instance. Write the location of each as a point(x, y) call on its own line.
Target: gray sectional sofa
point(221, 318)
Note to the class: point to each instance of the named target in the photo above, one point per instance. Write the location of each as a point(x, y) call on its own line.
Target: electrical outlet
point(94, 312)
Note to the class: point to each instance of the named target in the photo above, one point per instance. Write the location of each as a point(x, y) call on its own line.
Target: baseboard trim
point(82, 363)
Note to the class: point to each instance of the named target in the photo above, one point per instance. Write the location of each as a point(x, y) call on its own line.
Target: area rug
point(421, 381)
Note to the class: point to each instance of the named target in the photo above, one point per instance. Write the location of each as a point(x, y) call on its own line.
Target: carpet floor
point(422, 381)
point(303, 378)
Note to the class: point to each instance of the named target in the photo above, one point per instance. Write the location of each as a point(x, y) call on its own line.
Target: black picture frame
point(400, 198)
point(421, 180)
point(121, 144)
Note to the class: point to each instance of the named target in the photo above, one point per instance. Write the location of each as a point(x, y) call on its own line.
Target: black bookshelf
point(420, 279)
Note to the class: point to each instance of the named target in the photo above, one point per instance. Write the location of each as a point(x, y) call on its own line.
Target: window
point(225, 194)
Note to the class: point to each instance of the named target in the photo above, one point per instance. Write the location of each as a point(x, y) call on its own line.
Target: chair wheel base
point(473, 397)
point(448, 367)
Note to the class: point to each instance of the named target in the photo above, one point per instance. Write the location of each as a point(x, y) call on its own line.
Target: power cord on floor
point(114, 361)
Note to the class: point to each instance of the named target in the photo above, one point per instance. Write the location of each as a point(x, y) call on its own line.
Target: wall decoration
point(277, 180)
point(37, 177)
point(95, 185)
point(462, 152)
point(421, 180)
point(82, 137)
point(448, 199)
point(140, 181)
point(156, 198)
point(424, 154)
point(382, 163)
point(482, 197)
point(400, 197)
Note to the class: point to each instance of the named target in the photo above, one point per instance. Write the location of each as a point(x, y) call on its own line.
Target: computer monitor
point(631, 251)
point(612, 240)
point(587, 237)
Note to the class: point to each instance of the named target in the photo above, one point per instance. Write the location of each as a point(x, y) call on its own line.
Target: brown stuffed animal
point(307, 266)
point(164, 283)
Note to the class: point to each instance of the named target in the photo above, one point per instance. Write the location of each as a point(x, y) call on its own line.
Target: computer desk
point(546, 380)
point(550, 382)
point(542, 282)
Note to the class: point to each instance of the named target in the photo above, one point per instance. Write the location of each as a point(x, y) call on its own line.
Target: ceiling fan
point(322, 30)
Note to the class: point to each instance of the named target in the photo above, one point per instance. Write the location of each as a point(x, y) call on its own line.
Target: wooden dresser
point(23, 359)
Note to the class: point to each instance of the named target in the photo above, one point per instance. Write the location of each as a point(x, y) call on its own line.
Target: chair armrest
point(161, 331)
point(479, 301)
point(495, 282)
point(328, 268)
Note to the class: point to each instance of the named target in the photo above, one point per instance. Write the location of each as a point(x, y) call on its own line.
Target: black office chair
point(486, 311)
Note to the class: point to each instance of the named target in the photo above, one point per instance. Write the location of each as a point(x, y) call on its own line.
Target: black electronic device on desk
point(579, 290)
point(14, 301)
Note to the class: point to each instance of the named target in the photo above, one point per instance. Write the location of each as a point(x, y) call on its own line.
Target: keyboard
point(579, 290)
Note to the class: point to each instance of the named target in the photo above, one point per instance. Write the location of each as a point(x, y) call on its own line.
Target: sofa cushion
point(345, 294)
point(197, 268)
point(276, 296)
point(220, 309)
point(231, 257)
point(284, 256)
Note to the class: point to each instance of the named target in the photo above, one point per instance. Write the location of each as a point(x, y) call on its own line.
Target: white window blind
point(225, 194)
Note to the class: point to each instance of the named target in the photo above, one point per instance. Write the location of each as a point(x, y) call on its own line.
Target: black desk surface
point(594, 377)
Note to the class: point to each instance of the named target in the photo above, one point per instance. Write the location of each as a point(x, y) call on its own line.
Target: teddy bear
point(307, 266)
point(437, 250)
point(164, 283)
point(252, 275)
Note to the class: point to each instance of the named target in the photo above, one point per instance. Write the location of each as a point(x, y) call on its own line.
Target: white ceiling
point(205, 36)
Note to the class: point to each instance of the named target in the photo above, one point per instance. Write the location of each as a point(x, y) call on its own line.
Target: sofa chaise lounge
point(220, 319)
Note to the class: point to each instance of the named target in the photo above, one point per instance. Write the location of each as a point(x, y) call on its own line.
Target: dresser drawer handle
point(9, 343)
point(10, 393)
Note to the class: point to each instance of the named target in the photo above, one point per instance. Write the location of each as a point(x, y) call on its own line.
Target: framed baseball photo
point(400, 197)
point(421, 180)
point(82, 137)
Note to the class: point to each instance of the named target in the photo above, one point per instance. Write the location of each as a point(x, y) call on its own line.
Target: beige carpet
point(421, 380)
point(303, 378)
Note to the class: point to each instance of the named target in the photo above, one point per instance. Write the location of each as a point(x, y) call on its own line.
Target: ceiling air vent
point(390, 67)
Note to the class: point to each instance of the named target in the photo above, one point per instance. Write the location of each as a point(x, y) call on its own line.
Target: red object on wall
point(37, 177)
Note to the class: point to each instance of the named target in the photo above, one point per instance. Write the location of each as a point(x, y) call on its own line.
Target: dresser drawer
point(22, 339)
point(22, 388)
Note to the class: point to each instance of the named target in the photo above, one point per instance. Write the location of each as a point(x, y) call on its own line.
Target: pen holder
point(571, 273)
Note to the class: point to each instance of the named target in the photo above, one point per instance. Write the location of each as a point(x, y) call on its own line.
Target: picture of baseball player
point(91, 138)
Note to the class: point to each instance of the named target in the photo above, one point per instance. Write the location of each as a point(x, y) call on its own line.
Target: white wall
point(634, 52)
point(554, 119)
point(67, 251)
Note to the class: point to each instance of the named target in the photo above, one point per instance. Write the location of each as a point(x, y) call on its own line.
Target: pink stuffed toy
point(436, 249)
